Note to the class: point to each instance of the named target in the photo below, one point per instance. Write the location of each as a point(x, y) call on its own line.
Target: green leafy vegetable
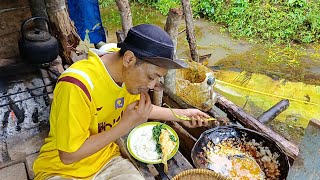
point(156, 131)
point(173, 138)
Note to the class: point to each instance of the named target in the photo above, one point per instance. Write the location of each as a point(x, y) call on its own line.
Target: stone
point(14, 172)
point(21, 145)
point(11, 20)
point(7, 4)
point(9, 46)
point(29, 164)
point(4, 157)
point(9, 30)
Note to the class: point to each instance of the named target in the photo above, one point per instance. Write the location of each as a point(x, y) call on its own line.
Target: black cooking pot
point(38, 46)
point(221, 133)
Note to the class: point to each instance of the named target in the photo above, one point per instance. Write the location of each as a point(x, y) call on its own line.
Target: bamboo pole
point(190, 30)
point(126, 16)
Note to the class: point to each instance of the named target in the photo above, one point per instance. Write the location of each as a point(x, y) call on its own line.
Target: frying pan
point(220, 133)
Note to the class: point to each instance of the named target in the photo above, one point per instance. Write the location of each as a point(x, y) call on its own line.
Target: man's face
point(142, 77)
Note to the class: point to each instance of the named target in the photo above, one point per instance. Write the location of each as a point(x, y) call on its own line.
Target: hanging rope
point(264, 93)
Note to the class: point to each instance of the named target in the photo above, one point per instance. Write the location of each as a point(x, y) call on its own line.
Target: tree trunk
point(172, 28)
point(63, 28)
point(190, 30)
point(250, 122)
point(126, 16)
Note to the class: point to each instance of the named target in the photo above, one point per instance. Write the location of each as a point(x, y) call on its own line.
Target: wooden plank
point(176, 164)
point(9, 4)
point(11, 20)
point(187, 141)
point(144, 170)
point(250, 122)
point(307, 164)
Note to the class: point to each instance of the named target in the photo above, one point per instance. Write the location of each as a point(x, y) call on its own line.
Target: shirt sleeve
point(72, 117)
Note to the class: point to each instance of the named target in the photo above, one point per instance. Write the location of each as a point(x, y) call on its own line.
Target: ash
point(27, 114)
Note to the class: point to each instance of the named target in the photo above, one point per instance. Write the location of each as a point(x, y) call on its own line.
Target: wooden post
point(63, 28)
point(126, 16)
point(172, 28)
point(38, 8)
point(190, 30)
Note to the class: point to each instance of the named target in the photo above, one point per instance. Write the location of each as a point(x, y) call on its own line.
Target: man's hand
point(198, 117)
point(137, 112)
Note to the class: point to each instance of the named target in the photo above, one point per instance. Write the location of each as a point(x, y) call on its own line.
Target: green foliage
point(140, 14)
point(276, 21)
point(106, 3)
point(163, 6)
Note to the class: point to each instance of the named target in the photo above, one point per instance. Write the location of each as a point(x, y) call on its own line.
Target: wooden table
point(176, 164)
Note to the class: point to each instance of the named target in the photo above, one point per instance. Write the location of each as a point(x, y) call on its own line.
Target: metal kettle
point(37, 46)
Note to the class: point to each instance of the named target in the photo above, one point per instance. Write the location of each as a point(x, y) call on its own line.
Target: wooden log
point(250, 122)
point(63, 28)
point(190, 30)
point(38, 9)
point(126, 17)
point(274, 111)
point(172, 28)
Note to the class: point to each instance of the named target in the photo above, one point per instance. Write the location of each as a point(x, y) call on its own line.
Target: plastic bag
point(195, 86)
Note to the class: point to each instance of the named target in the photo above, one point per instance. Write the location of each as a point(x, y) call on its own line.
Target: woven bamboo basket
point(196, 174)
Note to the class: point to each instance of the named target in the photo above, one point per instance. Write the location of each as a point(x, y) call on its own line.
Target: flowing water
point(261, 73)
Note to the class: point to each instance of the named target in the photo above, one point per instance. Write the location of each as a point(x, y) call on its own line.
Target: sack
point(195, 86)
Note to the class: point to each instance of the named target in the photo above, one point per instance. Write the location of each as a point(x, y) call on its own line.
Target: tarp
point(86, 16)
